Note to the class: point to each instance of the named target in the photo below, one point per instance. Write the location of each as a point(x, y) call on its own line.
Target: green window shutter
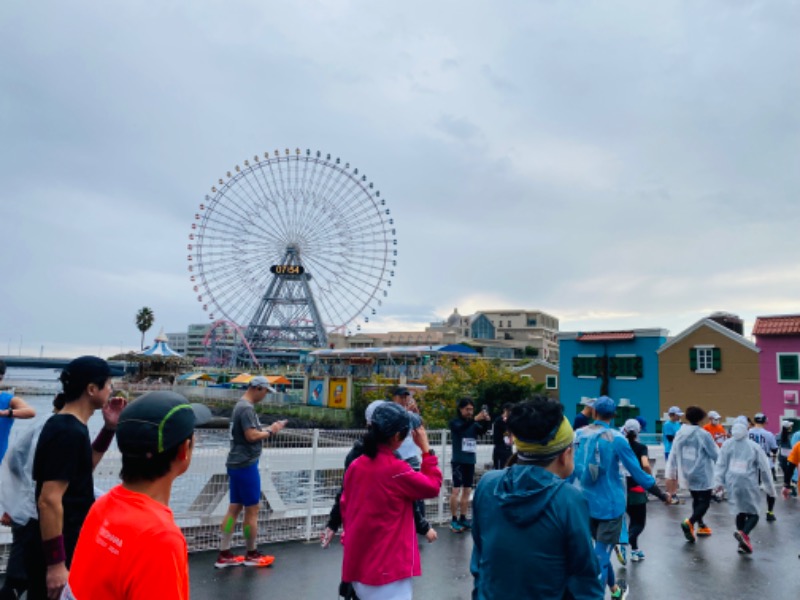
point(638, 367)
point(716, 357)
point(614, 367)
point(576, 366)
point(789, 367)
point(599, 367)
point(693, 359)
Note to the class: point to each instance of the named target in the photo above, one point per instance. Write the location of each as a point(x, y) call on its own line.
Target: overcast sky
point(618, 164)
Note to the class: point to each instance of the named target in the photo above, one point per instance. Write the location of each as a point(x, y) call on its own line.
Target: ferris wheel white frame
point(292, 246)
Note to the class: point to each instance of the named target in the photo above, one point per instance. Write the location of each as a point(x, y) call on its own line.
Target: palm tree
point(144, 321)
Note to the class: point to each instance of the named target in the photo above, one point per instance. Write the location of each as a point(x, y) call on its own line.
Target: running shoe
point(745, 547)
point(771, 517)
point(228, 559)
point(675, 500)
point(688, 530)
point(256, 559)
point(622, 590)
point(455, 526)
point(621, 553)
point(465, 523)
point(637, 555)
point(703, 531)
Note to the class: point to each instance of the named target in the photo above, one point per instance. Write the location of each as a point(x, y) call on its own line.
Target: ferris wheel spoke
point(310, 204)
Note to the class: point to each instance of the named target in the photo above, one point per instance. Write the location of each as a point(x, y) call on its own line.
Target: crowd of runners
point(572, 495)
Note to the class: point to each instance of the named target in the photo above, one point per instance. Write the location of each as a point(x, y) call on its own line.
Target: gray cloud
point(618, 164)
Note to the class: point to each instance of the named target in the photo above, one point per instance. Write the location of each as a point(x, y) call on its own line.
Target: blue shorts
point(245, 485)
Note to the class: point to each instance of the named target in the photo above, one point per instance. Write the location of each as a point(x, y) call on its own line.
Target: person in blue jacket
point(530, 527)
point(599, 452)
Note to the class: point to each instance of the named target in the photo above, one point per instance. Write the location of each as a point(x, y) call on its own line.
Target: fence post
point(312, 483)
point(442, 463)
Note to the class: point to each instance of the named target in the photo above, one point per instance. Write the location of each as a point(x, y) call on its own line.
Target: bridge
point(118, 367)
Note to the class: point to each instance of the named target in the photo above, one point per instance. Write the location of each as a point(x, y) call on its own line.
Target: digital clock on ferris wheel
point(287, 269)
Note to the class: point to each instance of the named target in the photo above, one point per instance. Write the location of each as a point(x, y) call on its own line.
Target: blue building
point(620, 364)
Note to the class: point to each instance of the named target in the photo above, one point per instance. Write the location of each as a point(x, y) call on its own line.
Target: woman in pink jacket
point(380, 547)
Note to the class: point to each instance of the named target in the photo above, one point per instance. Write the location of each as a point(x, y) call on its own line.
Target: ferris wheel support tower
point(287, 312)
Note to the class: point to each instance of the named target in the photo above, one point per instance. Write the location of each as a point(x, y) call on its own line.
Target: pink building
point(778, 337)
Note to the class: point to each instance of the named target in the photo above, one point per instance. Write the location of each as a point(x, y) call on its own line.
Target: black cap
point(82, 371)
point(158, 421)
point(390, 418)
point(400, 391)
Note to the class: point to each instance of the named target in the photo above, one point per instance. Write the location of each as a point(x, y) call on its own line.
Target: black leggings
point(746, 522)
point(701, 501)
point(638, 518)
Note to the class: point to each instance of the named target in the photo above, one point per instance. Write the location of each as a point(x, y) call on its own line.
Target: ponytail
point(59, 401)
point(370, 441)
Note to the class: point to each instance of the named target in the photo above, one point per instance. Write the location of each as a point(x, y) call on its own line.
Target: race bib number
point(469, 445)
point(739, 467)
point(689, 454)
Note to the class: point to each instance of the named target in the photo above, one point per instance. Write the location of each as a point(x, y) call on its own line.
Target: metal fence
point(301, 472)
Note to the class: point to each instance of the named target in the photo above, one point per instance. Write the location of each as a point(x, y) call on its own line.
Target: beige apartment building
point(506, 334)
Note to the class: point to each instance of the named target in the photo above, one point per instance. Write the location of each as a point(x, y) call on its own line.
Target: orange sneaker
point(227, 559)
point(703, 531)
point(256, 559)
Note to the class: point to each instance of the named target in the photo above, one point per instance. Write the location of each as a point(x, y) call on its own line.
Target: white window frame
point(587, 356)
point(778, 366)
point(790, 397)
point(547, 382)
point(705, 349)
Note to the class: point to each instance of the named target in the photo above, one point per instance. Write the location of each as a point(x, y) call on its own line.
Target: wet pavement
point(673, 569)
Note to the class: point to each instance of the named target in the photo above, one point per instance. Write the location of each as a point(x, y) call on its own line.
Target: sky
point(619, 164)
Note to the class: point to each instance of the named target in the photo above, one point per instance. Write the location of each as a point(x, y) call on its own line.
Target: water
point(43, 380)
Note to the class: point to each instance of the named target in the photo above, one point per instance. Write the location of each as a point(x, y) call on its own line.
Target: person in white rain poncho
point(740, 466)
point(691, 463)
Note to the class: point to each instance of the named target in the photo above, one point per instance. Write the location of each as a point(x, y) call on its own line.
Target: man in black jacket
point(464, 431)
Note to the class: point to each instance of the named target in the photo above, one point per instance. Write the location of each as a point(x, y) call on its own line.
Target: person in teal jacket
point(530, 527)
point(599, 452)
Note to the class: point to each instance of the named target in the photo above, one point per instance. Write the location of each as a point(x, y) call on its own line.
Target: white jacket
point(740, 463)
point(692, 458)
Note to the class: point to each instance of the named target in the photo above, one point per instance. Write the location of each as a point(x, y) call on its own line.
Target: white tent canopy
point(160, 347)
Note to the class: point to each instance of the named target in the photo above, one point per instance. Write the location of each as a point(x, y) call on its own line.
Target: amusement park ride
point(286, 249)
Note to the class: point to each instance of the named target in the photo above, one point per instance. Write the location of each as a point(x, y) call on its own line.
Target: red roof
point(605, 336)
point(779, 325)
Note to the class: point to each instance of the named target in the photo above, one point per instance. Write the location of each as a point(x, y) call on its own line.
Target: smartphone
point(485, 409)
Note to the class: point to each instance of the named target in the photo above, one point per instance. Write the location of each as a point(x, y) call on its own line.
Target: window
point(482, 329)
point(509, 324)
point(586, 366)
point(788, 367)
point(551, 382)
point(531, 322)
point(626, 367)
point(705, 359)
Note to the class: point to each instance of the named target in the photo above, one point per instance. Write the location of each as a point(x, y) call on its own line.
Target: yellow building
point(710, 366)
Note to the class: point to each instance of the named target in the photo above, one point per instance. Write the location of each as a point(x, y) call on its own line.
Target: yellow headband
point(562, 439)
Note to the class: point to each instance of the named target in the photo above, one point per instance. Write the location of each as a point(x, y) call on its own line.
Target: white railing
point(301, 472)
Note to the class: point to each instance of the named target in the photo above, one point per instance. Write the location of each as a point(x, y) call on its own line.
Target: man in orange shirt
point(129, 547)
point(714, 427)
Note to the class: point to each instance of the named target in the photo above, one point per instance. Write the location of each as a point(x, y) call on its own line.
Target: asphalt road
point(673, 569)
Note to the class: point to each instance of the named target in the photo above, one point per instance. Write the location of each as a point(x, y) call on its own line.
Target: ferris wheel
point(292, 246)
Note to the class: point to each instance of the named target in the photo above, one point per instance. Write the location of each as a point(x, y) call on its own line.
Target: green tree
point(144, 321)
point(485, 381)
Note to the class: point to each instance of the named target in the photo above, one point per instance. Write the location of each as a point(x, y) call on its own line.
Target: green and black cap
point(156, 422)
